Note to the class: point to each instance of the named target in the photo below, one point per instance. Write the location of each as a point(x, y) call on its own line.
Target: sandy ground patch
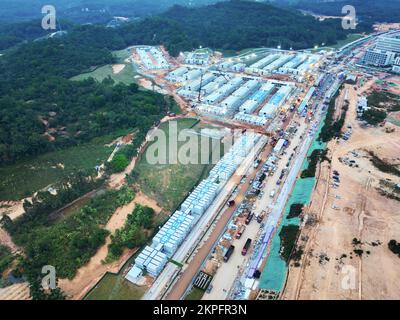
point(117, 68)
point(18, 291)
point(13, 209)
point(354, 210)
point(91, 273)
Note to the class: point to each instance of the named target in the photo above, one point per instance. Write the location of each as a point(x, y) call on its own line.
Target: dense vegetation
point(295, 210)
point(71, 242)
point(317, 156)
point(380, 103)
point(383, 165)
point(41, 110)
point(100, 11)
point(133, 234)
point(237, 25)
point(387, 100)
point(374, 116)
point(394, 246)
point(332, 128)
point(5, 258)
point(288, 236)
point(12, 34)
point(39, 209)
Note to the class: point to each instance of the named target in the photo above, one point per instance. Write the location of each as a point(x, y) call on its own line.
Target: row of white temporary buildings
point(296, 64)
point(166, 242)
point(184, 74)
point(152, 58)
point(247, 99)
point(231, 66)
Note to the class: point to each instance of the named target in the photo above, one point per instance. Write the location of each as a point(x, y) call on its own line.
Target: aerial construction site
point(272, 102)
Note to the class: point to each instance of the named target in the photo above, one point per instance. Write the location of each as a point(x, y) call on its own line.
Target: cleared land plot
point(23, 178)
point(127, 75)
point(168, 183)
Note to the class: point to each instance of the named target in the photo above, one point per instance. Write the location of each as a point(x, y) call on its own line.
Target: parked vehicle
point(261, 216)
point(272, 194)
point(246, 246)
point(229, 253)
point(231, 203)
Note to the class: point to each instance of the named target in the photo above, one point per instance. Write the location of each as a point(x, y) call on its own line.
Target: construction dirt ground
point(346, 254)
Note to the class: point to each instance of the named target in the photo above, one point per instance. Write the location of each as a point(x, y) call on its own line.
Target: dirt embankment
point(91, 273)
point(334, 265)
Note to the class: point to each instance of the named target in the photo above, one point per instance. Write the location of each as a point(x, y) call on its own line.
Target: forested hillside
point(41, 110)
point(243, 24)
point(89, 11)
point(368, 11)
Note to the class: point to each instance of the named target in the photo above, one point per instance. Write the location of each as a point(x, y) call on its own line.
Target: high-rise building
point(378, 58)
point(385, 43)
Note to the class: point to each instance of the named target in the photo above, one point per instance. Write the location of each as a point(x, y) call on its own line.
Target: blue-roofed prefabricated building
point(168, 239)
point(270, 109)
point(306, 99)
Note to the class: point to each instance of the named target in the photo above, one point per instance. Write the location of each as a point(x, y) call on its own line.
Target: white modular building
point(277, 100)
point(144, 57)
point(278, 63)
point(134, 274)
point(214, 85)
point(167, 240)
point(251, 119)
point(257, 98)
point(201, 197)
point(152, 260)
point(265, 61)
point(173, 232)
point(232, 103)
point(238, 67)
point(157, 54)
point(291, 66)
point(152, 58)
point(195, 85)
point(192, 75)
point(307, 65)
point(225, 66)
point(176, 75)
point(224, 91)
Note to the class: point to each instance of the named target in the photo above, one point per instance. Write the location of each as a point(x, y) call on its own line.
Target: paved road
point(196, 263)
point(228, 272)
point(164, 280)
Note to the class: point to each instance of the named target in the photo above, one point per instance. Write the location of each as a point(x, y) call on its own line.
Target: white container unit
point(224, 91)
point(250, 119)
point(265, 61)
point(278, 63)
point(192, 75)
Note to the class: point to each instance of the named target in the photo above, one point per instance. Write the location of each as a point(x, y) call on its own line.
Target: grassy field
point(195, 294)
point(115, 287)
point(127, 75)
point(168, 183)
point(121, 55)
point(28, 176)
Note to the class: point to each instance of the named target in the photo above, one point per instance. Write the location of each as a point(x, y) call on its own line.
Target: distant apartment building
point(396, 65)
point(378, 58)
point(385, 43)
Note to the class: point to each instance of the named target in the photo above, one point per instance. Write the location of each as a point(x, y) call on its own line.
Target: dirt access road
point(90, 274)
